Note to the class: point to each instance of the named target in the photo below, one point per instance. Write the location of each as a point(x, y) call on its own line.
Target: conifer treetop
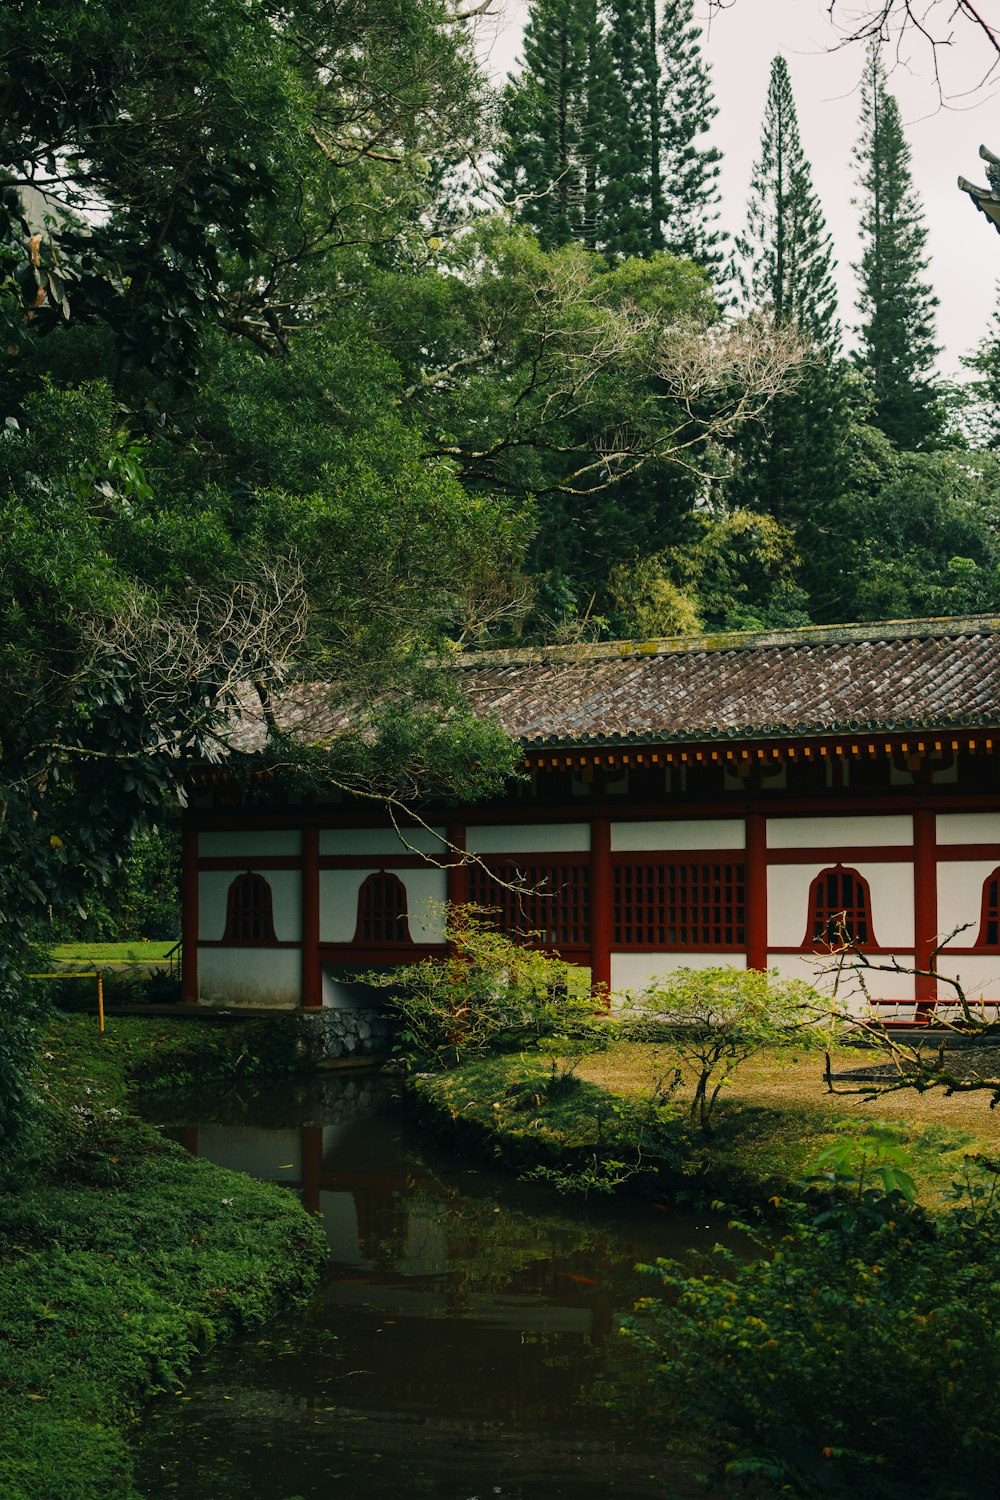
point(784, 259)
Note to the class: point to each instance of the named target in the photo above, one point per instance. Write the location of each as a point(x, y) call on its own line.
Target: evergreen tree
point(690, 175)
point(555, 121)
point(602, 130)
point(790, 466)
point(662, 186)
point(785, 258)
point(895, 300)
point(982, 413)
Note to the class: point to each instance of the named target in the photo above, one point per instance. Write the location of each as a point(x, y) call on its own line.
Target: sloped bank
point(581, 1136)
point(124, 1258)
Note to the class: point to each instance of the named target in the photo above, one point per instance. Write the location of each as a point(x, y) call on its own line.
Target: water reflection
point(464, 1342)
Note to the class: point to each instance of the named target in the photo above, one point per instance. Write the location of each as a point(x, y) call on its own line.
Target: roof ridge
point(736, 640)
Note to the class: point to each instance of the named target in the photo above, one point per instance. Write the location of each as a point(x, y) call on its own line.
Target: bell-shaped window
point(989, 925)
point(382, 912)
point(249, 915)
point(840, 910)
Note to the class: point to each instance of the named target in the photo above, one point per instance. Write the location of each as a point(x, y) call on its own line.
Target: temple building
point(725, 799)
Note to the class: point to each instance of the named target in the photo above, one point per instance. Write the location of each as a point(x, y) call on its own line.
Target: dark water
point(464, 1342)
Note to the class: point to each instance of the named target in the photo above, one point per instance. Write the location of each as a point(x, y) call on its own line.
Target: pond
point(465, 1341)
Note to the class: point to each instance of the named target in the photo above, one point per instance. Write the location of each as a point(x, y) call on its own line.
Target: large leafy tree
point(895, 298)
point(207, 488)
point(602, 391)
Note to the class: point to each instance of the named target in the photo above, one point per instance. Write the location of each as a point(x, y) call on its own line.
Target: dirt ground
point(787, 1080)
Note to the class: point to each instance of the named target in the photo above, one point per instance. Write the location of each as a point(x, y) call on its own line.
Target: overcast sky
point(740, 43)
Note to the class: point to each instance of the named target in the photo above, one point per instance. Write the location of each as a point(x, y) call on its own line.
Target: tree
point(784, 259)
point(717, 1018)
point(552, 164)
point(690, 169)
point(895, 300)
point(788, 464)
point(186, 195)
point(601, 391)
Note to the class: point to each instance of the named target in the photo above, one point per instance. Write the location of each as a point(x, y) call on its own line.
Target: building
point(691, 802)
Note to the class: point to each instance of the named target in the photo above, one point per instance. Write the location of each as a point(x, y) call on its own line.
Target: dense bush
point(486, 995)
point(859, 1356)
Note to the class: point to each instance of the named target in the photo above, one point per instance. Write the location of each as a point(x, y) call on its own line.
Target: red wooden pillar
point(925, 913)
point(755, 878)
point(189, 914)
point(602, 906)
point(457, 871)
point(312, 974)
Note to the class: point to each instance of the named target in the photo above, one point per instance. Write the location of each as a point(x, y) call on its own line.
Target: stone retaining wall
point(333, 1034)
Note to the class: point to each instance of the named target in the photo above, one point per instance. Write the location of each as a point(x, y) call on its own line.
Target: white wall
point(979, 974)
point(719, 833)
point(969, 828)
point(880, 985)
point(960, 896)
point(379, 841)
point(837, 832)
point(239, 844)
point(286, 903)
point(635, 971)
point(250, 976)
point(891, 887)
point(338, 902)
point(527, 838)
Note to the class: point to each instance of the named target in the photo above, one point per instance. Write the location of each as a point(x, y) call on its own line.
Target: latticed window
point(550, 900)
point(839, 908)
point(249, 917)
point(989, 927)
point(382, 911)
point(688, 906)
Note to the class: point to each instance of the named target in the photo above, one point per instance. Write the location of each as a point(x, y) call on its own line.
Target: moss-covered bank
point(515, 1111)
point(122, 1257)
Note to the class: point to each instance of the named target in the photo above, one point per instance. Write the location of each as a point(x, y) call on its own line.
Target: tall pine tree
point(690, 175)
point(784, 260)
point(895, 300)
point(603, 130)
point(790, 467)
point(554, 117)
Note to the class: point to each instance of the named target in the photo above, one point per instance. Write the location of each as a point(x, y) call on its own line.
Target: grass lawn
point(772, 1120)
point(777, 1109)
point(95, 953)
point(121, 1257)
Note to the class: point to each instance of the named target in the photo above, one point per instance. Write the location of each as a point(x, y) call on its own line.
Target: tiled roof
point(915, 674)
point(896, 676)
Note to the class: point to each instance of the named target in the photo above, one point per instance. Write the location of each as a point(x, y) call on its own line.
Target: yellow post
point(100, 998)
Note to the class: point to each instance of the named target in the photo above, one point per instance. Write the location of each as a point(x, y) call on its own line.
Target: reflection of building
point(719, 800)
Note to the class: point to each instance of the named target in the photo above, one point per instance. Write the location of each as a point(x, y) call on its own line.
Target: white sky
point(740, 43)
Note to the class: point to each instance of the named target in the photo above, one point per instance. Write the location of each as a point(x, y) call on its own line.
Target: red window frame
point(989, 917)
point(839, 892)
point(249, 912)
point(690, 906)
point(541, 902)
point(382, 916)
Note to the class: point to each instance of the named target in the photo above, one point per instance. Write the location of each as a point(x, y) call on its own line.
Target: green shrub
point(859, 1356)
point(488, 994)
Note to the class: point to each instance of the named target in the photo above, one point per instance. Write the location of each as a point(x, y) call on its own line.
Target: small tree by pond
point(488, 994)
point(717, 1018)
